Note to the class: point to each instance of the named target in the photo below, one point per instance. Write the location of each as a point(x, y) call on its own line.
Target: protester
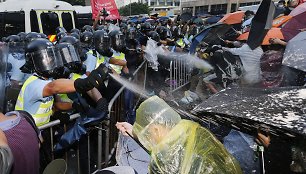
point(251, 63)
point(161, 131)
point(6, 155)
point(23, 142)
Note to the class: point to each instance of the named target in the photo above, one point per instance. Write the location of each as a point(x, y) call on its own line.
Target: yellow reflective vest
point(64, 97)
point(100, 58)
point(44, 112)
point(180, 43)
point(118, 68)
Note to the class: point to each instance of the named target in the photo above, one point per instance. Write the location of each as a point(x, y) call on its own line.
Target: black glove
point(127, 75)
point(80, 105)
point(94, 80)
point(102, 105)
point(63, 117)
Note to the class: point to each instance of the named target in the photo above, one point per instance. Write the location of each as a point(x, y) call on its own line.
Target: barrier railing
point(107, 134)
point(116, 114)
point(179, 74)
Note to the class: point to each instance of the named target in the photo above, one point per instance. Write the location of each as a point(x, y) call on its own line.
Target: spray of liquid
point(131, 86)
point(192, 60)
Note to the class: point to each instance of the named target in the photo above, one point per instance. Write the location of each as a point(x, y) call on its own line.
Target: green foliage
point(75, 2)
point(136, 9)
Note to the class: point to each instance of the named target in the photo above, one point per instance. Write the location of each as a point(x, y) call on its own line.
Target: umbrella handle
point(145, 149)
point(261, 159)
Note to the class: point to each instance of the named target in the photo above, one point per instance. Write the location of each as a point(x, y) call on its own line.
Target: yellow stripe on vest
point(44, 112)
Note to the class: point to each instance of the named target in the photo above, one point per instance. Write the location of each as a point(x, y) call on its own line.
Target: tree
point(75, 2)
point(134, 9)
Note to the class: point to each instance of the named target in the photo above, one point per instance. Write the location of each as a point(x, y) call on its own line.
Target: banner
point(109, 5)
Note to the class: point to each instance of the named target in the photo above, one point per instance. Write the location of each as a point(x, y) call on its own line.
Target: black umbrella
point(261, 23)
point(295, 53)
point(280, 111)
point(186, 16)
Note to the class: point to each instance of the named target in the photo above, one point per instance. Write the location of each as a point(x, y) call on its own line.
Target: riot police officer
point(16, 60)
point(36, 95)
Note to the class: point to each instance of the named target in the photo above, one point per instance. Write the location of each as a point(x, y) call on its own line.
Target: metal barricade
point(180, 74)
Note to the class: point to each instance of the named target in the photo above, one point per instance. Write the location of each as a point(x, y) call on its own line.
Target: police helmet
point(76, 44)
point(101, 41)
point(86, 39)
point(146, 26)
point(117, 40)
point(87, 28)
point(163, 32)
point(22, 36)
point(45, 59)
point(60, 35)
point(75, 30)
point(70, 58)
point(76, 35)
point(154, 35)
point(60, 29)
point(32, 36)
point(123, 28)
point(131, 33)
point(177, 32)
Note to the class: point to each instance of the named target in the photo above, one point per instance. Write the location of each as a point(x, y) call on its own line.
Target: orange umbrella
point(278, 22)
point(272, 33)
point(233, 18)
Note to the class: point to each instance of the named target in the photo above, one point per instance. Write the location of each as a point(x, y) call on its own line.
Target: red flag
point(109, 5)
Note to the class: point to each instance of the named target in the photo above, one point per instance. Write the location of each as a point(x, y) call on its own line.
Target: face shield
point(102, 44)
point(69, 54)
point(16, 50)
point(169, 34)
point(71, 58)
point(46, 61)
point(154, 119)
point(179, 33)
point(131, 35)
point(3, 66)
point(119, 42)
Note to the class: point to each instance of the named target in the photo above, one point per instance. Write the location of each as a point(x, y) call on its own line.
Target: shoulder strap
point(31, 121)
point(94, 53)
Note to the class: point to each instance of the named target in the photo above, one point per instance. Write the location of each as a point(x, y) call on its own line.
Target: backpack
point(228, 67)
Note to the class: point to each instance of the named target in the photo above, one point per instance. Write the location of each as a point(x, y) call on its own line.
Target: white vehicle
point(83, 15)
point(42, 16)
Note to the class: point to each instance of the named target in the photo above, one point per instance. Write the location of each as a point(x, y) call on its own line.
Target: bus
point(164, 10)
point(35, 16)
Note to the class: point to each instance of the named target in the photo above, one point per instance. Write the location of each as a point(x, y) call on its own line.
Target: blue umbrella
point(209, 35)
point(134, 20)
point(214, 19)
point(89, 116)
point(71, 136)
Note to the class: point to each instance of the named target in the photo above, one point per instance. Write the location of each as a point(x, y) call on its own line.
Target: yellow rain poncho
point(179, 146)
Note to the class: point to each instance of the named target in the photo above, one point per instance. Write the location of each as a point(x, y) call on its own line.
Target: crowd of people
point(54, 79)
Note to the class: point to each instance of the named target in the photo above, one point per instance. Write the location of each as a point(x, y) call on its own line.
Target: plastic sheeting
point(179, 146)
point(151, 52)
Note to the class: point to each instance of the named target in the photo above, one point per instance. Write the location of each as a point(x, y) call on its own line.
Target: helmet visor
point(120, 41)
point(69, 54)
point(47, 59)
point(103, 44)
